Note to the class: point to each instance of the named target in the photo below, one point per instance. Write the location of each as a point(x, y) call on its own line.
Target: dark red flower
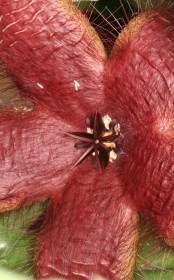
point(56, 58)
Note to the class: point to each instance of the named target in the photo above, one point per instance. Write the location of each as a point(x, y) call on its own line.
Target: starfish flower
point(99, 140)
point(56, 58)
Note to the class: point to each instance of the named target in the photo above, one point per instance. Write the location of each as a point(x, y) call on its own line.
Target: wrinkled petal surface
point(51, 48)
point(32, 160)
point(140, 80)
point(90, 229)
point(57, 59)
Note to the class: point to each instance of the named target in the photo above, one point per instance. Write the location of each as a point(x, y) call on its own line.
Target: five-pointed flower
point(56, 58)
point(100, 141)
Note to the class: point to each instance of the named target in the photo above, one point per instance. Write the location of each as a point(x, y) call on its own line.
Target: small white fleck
point(171, 53)
point(79, 274)
point(107, 120)
point(20, 31)
point(112, 156)
point(89, 130)
point(13, 43)
point(117, 129)
point(3, 245)
point(59, 271)
point(27, 109)
point(78, 262)
point(76, 85)
point(39, 85)
point(9, 25)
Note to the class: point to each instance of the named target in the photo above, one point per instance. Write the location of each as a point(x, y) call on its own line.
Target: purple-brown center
point(101, 141)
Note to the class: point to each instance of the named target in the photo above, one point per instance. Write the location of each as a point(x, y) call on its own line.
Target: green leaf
point(17, 240)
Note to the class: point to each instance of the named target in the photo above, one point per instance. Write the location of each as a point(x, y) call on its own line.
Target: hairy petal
point(34, 156)
point(142, 86)
point(91, 229)
point(53, 54)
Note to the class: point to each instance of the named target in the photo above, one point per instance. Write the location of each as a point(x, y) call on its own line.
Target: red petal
point(35, 158)
point(92, 229)
point(52, 50)
point(140, 86)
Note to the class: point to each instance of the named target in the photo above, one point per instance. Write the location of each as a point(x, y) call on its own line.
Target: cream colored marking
point(60, 271)
point(89, 130)
point(21, 31)
point(117, 129)
point(83, 263)
point(76, 84)
point(22, 9)
point(107, 120)
point(26, 109)
point(13, 43)
point(113, 271)
point(169, 40)
point(171, 53)
point(9, 25)
point(39, 85)
point(80, 274)
point(106, 263)
point(0, 41)
point(33, 18)
point(164, 19)
point(50, 18)
point(36, 33)
point(112, 156)
point(1, 17)
point(52, 34)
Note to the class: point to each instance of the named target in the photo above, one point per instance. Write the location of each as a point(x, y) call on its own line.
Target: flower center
point(99, 140)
